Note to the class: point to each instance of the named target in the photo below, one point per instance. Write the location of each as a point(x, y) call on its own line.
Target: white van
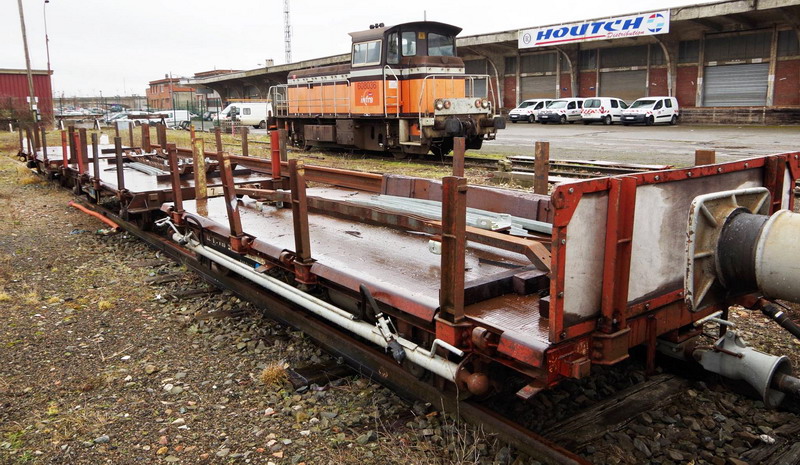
point(528, 110)
point(248, 113)
point(176, 118)
point(606, 110)
point(651, 110)
point(562, 110)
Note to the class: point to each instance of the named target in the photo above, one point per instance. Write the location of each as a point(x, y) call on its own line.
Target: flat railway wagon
point(476, 290)
point(404, 92)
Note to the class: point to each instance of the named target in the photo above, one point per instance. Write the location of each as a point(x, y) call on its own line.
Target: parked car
point(528, 110)
point(651, 110)
point(606, 110)
point(562, 111)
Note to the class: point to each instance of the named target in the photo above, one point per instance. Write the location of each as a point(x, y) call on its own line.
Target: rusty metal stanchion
point(302, 240)
point(199, 168)
point(116, 128)
point(459, 148)
point(245, 149)
point(96, 167)
point(541, 168)
point(76, 142)
point(71, 142)
point(283, 143)
point(218, 139)
point(130, 134)
point(120, 167)
point(297, 185)
point(175, 177)
point(64, 154)
point(239, 241)
point(161, 132)
point(275, 152)
point(146, 138)
point(84, 150)
point(454, 223)
point(704, 157)
point(44, 145)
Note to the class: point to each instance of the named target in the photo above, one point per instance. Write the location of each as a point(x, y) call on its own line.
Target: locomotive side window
point(409, 44)
point(367, 53)
point(392, 51)
point(440, 45)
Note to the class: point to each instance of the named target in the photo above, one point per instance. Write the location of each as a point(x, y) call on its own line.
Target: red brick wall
point(587, 83)
point(686, 91)
point(658, 82)
point(509, 92)
point(787, 83)
point(565, 84)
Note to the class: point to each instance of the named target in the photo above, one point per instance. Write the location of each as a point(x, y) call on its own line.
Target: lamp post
point(46, 37)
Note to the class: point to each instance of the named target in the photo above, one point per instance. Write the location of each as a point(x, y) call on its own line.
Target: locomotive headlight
point(477, 103)
point(447, 104)
point(439, 104)
point(485, 103)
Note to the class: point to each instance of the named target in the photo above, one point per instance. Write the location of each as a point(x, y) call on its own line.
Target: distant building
point(206, 97)
point(14, 94)
point(164, 94)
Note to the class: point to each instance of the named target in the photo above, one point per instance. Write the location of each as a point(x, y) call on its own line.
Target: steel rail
point(363, 358)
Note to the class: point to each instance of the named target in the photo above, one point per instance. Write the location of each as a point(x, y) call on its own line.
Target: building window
point(738, 47)
point(511, 65)
point(689, 51)
point(587, 59)
point(623, 57)
point(538, 63)
point(788, 44)
point(656, 55)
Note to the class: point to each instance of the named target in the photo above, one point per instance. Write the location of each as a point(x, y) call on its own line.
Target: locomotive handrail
point(386, 94)
point(470, 77)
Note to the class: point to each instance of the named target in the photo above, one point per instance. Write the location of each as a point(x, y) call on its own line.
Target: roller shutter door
point(627, 85)
point(735, 85)
point(538, 87)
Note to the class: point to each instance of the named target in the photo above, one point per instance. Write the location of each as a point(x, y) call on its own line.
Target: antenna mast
point(287, 31)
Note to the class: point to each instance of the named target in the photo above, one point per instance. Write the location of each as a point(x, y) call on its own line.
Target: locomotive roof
point(428, 26)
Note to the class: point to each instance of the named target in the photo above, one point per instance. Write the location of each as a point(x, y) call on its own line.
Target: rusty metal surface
point(395, 263)
point(513, 314)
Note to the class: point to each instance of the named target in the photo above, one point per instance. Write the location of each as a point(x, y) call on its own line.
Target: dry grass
point(273, 375)
point(104, 305)
point(4, 297)
point(31, 298)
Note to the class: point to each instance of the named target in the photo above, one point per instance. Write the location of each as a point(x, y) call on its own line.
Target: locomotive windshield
point(441, 45)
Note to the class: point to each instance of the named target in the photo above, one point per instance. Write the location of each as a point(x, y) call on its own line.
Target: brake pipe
point(414, 353)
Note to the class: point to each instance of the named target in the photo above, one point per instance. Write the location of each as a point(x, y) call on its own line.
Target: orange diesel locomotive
point(404, 92)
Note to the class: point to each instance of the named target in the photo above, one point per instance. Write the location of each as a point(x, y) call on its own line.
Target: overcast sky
point(117, 46)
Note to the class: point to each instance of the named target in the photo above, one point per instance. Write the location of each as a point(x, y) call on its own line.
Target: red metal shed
point(14, 91)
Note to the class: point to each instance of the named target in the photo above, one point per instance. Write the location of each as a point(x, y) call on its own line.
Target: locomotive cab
point(404, 91)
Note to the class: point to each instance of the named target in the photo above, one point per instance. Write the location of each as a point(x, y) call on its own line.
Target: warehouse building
point(735, 61)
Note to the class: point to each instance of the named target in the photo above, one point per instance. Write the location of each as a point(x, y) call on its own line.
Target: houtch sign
point(643, 24)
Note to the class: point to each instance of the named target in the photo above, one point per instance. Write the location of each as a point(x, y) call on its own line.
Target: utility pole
point(31, 94)
point(287, 32)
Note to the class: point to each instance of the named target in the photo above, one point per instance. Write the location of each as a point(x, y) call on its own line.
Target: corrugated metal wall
point(627, 85)
point(15, 87)
point(735, 85)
